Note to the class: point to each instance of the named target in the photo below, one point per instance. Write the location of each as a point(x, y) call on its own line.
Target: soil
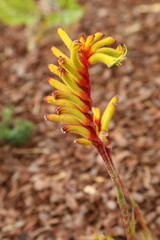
point(52, 188)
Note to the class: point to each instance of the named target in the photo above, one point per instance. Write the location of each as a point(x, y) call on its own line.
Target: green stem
point(137, 211)
point(120, 195)
point(134, 204)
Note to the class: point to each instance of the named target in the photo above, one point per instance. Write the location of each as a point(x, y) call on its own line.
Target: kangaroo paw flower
point(73, 92)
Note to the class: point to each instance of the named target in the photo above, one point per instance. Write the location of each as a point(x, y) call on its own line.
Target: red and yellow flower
point(73, 94)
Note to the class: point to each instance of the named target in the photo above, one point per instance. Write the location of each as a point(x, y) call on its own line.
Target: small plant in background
point(75, 110)
point(16, 132)
point(39, 16)
point(28, 12)
point(15, 12)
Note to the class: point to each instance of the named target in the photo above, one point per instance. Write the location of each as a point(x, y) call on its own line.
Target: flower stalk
point(120, 194)
point(135, 206)
point(74, 106)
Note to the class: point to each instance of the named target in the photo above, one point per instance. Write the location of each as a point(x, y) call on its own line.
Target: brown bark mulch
point(52, 188)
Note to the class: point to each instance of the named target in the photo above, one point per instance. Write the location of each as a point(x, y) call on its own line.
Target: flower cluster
point(73, 94)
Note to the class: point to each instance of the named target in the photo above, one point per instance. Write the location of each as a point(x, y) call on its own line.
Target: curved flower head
point(73, 92)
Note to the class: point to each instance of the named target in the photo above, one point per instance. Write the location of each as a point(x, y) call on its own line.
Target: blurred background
point(50, 187)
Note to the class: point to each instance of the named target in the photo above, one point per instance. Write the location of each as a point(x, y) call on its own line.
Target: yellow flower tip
point(83, 141)
point(56, 52)
point(107, 116)
point(98, 36)
point(52, 118)
point(53, 50)
point(49, 99)
point(77, 129)
point(53, 68)
point(114, 99)
point(65, 38)
point(108, 113)
point(82, 39)
point(48, 117)
point(59, 85)
point(89, 42)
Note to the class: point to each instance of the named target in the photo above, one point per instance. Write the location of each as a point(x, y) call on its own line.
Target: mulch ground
point(53, 189)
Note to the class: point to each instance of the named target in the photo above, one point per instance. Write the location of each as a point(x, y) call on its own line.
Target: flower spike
point(73, 95)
